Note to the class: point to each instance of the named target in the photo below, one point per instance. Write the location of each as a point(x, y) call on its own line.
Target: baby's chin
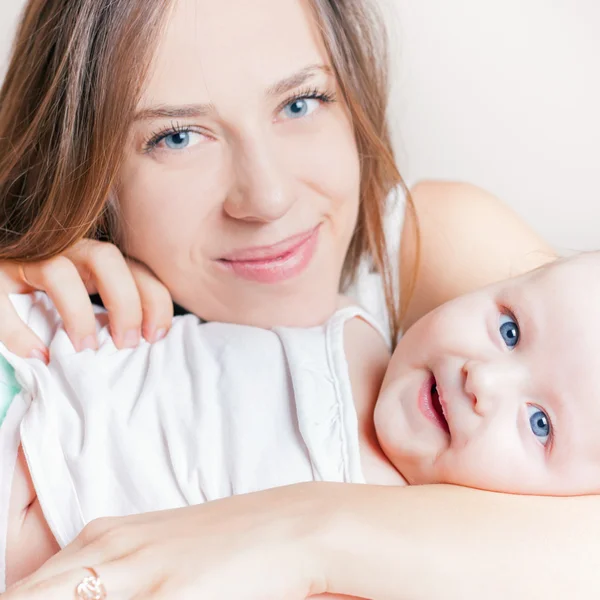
point(418, 474)
point(413, 451)
point(415, 467)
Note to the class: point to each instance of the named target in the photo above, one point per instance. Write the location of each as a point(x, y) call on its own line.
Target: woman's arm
point(414, 543)
point(466, 239)
point(431, 542)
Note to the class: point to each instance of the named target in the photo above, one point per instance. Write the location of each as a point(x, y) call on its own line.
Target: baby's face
point(499, 389)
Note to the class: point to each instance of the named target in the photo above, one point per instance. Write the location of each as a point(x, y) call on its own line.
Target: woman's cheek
point(324, 156)
point(165, 204)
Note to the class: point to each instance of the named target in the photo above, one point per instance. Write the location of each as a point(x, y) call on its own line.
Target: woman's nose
point(489, 383)
point(261, 190)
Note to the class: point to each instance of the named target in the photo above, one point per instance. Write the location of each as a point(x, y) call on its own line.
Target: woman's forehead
point(211, 48)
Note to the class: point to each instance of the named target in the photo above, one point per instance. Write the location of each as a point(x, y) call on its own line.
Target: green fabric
point(9, 387)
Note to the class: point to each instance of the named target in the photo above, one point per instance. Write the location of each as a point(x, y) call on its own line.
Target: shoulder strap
point(352, 312)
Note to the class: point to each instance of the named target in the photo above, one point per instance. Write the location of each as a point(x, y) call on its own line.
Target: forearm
point(433, 542)
point(412, 543)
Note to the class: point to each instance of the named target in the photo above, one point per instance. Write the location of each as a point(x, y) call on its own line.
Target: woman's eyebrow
point(168, 111)
point(192, 111)
point(297, 79)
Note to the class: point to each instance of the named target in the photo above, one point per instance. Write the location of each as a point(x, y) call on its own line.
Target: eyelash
point(504, 310)
point(309, 94)
point(175, 128)
point(158, 136)
point(548, 446)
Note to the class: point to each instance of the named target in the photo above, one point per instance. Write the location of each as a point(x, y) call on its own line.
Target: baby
point(495, 390)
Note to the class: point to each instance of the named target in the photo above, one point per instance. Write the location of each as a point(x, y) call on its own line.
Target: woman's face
point(240, 187)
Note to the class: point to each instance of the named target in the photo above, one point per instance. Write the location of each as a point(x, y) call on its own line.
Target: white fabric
point(9, 445)
point(41, 316)
point(212, 410)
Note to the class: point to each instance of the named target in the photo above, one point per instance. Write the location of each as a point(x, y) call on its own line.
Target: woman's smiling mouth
point(276, 263)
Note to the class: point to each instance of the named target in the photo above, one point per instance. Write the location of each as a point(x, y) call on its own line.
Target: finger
point(101, 543)
point(116, 286)
point(113, 578)
point(63, 285)
point(157, 304)
point(59, 278)
point(65, 568)
point(16, 335)
point(12, 280)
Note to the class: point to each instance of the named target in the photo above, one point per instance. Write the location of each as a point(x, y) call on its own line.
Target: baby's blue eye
point(300, 107)
point(509, 330)
point(539, 423)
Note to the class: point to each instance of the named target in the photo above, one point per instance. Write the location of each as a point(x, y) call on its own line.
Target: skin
point(244, 170)
point(515, 367)
point(361, 540)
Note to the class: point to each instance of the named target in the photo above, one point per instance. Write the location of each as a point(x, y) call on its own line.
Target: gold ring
point(91, 587)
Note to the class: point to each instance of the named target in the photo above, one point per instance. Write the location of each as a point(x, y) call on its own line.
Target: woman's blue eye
point(178, 140)
point(539, 423)
point(301, 107)
point(509, 330)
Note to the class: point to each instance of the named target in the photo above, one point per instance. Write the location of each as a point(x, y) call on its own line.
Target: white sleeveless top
point(210, 411)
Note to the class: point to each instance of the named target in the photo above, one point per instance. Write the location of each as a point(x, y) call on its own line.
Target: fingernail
point(88, 343)
point(160, 334)
point(131, 339)
point(40, 355)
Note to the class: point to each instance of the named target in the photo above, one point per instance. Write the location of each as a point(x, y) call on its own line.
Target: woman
point(238, 152)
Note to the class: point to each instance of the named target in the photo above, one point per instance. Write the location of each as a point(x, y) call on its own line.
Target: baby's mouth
point(437, 406)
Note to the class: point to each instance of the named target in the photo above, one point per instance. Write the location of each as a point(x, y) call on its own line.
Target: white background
point(501, 93)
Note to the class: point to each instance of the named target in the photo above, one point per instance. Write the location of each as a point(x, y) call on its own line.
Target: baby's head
point(499, 389)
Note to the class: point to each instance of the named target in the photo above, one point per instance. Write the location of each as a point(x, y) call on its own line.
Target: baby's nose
point(488, 383)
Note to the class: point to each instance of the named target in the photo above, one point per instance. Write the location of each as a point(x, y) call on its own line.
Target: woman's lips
point(276, 263)
point(430, 405)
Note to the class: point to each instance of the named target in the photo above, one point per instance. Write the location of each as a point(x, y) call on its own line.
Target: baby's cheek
point(483, 468)
point(387, 427)
point(465, 466)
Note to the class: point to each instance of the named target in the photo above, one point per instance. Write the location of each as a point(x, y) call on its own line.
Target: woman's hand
point(260, 546)
point(137, 303)
point(373, 542)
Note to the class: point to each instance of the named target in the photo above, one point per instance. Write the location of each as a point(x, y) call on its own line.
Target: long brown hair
point(73, 83)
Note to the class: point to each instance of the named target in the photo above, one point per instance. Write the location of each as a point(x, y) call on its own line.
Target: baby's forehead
point(568, 289)
point(575, 270)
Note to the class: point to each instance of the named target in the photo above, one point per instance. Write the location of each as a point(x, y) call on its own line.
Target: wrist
point(310, 528)
point(340, 533)
point(315, 526)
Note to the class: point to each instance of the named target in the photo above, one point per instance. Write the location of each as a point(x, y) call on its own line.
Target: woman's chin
point(263, 306)
point(287, 312)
